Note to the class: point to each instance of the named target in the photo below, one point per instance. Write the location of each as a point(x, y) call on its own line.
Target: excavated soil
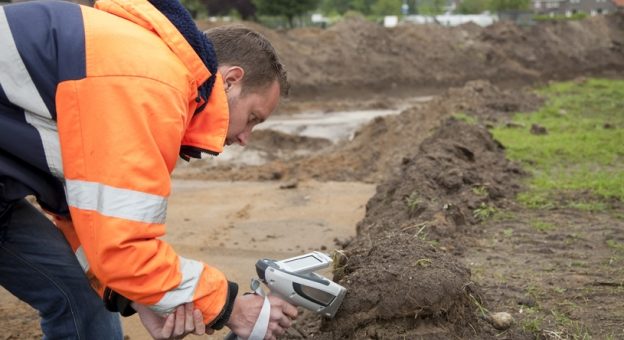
point(422, 264)
point(378, 147)
point(360, 59)
point(400, 285)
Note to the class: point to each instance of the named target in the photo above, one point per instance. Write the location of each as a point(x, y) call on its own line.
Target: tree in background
point(285, 8)
point(473, 6)
point(362, 6)
point(196, 7)
point(431, 7)
point(245, 8)
point(331, 7)
point(509, 5)
point(387, 7)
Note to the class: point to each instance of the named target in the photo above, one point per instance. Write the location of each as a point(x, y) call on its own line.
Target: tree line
point(291, 9)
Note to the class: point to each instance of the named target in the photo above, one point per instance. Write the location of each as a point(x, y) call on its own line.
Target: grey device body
point(294, 280)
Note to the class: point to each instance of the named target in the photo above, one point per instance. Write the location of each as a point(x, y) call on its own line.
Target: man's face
point(249, 109)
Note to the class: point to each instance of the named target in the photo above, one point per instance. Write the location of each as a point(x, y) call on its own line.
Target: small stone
point(290, 185)
point(500, 320)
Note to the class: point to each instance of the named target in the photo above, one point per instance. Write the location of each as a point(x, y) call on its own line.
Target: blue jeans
point(38, 266)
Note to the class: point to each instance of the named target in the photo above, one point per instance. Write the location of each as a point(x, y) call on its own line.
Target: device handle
point(262, 323)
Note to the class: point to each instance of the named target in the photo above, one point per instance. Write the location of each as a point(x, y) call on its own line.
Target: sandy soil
point(231, 225)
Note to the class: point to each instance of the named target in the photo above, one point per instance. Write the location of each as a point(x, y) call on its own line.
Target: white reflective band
point(191, 272)
point(50, 139)
point(114, 202)
point(261, 326)
point(262, 322)
point(82, 259)
point(14, 77)
point(21, 91)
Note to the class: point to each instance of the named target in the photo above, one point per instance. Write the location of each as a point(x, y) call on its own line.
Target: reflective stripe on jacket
point(95, 105)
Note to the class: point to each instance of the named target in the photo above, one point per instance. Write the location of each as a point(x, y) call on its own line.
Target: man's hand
point(183, 321)
point(247, 308)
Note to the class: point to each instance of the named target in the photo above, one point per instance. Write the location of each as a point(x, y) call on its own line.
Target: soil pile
point(401, 287)
point(400, 284)
point(378, 147)
point(358, 58)
point(283, 146)
point(457, 176)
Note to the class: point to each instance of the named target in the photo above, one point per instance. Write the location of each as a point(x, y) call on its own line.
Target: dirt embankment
point(357, 58)
point(378, 147)
point(402, 278)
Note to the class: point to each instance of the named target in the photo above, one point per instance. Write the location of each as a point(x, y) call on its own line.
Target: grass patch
point(542, 226)
point(615, 245)
point(508, 232)
point(483, 212)
point(582, 151)
point(413, 202)
point(463, 117)
point(480, 190)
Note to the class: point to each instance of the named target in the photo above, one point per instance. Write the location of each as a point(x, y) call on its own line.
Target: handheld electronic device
point(295, 281)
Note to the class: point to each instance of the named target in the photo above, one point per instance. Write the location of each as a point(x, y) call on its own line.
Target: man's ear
point(232, 75)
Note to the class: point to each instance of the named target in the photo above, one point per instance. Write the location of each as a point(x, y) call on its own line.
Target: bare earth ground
point(421, 265)
point(231, 225)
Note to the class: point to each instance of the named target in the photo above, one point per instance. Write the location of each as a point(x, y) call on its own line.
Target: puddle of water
point(334, 126)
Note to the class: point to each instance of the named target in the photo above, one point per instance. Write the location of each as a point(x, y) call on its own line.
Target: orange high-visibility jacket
point(95, 106)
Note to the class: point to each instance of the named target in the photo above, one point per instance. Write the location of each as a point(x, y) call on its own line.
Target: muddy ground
point(398, 199)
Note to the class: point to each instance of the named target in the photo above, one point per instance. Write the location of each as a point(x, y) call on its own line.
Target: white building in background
point(453, 19)
point(572, 7)
point(391, 21)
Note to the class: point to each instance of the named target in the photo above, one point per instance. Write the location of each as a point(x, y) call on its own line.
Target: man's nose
point(243, 137)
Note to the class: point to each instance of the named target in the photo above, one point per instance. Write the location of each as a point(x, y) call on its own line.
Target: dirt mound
point(402, 279)
point(358, 58)
point(458, 176)
point(275, 141)
point(399, 286)
point(378, 147)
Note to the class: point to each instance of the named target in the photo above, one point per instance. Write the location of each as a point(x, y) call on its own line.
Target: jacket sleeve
point(120, 137)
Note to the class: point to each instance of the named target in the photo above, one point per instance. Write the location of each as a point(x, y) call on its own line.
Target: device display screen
point(303, 262)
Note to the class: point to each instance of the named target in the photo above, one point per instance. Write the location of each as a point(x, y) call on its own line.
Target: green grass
point(413, 202)
point(542, 226)
point(463, 117)
point(483, 212)
point(583, 150)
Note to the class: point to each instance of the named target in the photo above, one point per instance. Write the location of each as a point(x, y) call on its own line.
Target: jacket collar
point(208, 129)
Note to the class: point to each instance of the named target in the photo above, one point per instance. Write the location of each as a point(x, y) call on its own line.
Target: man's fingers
point(179, 321)
point(189, 320)
point(290, 310)
point(285, 321)
point(287, 308)
point(274, 330)
point(167, 328)
point(198, 320)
